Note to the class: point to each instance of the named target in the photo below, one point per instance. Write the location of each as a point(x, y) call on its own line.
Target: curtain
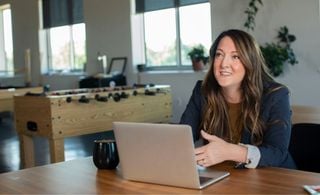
point(152, 5)
point(62, 12)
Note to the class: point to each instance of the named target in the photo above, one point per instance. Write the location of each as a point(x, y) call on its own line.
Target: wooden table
point(6, 96)
point(80, 176)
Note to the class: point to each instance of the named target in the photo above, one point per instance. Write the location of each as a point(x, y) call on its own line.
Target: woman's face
point(228, 68)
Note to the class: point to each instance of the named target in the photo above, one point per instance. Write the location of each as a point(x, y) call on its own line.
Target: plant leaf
point(291, 38)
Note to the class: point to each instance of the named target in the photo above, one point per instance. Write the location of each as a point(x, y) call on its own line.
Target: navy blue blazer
point(276, 138)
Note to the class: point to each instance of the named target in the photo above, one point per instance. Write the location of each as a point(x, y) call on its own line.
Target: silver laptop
point(161, 154)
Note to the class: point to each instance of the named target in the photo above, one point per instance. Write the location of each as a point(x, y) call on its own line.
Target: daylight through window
point(6, 44)
point(171, 33)
point(66, 48)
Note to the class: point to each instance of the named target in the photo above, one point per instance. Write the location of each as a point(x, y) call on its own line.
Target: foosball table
point(56, 115)
point(6, 96)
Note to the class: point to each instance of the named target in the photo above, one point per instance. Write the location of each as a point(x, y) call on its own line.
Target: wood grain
point(55, 118)
point(6, 96)
point(82, 177)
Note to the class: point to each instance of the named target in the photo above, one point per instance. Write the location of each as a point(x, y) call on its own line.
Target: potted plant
point(277, 54)
point(198, 58)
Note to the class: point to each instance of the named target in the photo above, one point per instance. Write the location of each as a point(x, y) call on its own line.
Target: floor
point(75, 147)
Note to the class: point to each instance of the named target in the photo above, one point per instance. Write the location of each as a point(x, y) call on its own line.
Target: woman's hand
point(214, 152)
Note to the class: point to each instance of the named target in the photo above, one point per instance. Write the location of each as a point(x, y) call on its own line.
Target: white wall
point(181, 84)
point(108, 27)
point(302, 19)
point(107, 30)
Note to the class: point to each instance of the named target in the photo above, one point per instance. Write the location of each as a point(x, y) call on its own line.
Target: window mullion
point(2, 55)
point(49, 51)
point(71, 47)
point(6, 53)
point(144, 40)
point(178, 41)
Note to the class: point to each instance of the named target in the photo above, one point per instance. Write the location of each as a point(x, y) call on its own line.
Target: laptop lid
point(161, 154)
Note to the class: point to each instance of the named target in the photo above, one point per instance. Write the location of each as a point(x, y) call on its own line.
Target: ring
point(203, 161)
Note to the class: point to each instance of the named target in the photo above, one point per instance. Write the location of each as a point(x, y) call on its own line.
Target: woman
point(239, 110)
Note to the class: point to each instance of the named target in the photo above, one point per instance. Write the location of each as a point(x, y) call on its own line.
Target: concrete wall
point(109, 30)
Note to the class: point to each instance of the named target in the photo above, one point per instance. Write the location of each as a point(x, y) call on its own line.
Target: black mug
point(105, 154)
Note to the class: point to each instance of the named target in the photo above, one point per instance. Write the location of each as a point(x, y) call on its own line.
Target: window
point(65, 35)
point(66, 48)
point(6, 44)
point(170, 33)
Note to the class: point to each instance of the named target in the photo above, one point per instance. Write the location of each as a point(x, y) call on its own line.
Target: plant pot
point(197, 65)
point(141, 67)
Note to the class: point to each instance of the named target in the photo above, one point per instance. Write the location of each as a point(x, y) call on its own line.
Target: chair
point(305, 146)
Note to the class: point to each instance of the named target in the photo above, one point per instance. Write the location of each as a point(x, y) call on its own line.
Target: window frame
point(62, 13)
point(8, 70)
point(179, 65)
point(71, 56)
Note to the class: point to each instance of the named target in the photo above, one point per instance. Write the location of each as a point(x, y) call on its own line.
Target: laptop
point(161, 154)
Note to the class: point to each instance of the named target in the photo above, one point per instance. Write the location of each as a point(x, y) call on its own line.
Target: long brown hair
point(215, 112)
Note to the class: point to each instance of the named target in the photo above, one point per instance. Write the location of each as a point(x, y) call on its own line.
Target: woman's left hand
point(212, 153)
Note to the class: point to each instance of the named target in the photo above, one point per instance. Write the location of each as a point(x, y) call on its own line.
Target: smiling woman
point(239, 111)
point(227, 64)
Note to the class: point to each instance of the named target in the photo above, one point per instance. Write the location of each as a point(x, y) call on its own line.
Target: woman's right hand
point(214, 152)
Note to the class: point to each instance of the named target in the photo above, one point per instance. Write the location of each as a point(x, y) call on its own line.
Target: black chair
point(305, 146)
